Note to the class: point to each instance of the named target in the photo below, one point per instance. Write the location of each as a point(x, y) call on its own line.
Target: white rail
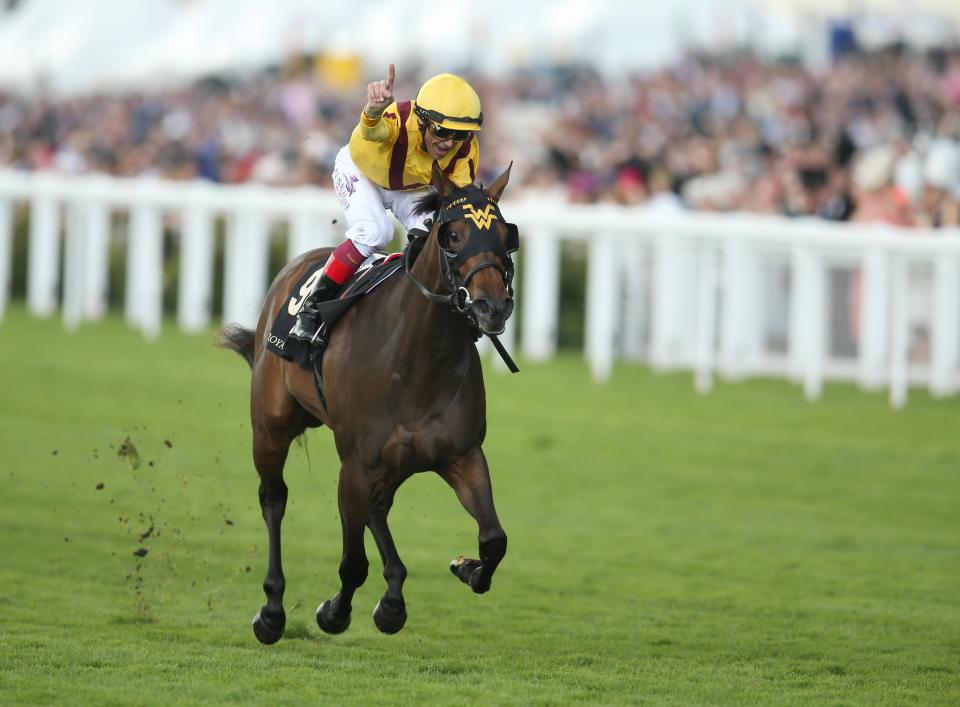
point(734, 296)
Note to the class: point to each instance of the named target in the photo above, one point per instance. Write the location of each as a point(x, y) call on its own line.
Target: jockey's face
point(439, 147)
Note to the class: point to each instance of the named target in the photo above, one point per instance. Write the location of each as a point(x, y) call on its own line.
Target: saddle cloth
point(371, 275)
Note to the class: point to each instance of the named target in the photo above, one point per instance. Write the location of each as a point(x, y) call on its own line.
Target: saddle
point(309, 356)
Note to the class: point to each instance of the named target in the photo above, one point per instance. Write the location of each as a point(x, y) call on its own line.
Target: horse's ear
point(440, 182)
point(496, 189)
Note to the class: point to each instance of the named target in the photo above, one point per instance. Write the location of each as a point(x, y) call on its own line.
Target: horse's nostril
point(483, 307)
point(492, 310)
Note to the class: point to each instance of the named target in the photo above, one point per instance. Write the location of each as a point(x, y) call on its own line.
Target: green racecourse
point(746, 547)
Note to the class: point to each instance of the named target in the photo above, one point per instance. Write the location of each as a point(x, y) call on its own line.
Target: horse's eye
point(454, 237)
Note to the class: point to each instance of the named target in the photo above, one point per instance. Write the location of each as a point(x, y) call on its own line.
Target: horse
point(404, 394)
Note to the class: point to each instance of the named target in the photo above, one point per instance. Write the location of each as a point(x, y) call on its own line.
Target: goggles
point(433, 119)
point(444, 133)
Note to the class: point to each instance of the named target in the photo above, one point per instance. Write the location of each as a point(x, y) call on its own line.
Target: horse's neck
point(440, 336)
point(426, 269)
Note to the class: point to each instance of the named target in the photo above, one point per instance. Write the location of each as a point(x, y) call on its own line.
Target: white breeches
point(365, 205)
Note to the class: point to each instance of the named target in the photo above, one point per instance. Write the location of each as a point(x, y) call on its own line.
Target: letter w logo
point(481, 218)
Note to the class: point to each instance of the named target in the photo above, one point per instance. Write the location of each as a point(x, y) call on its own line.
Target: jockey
point(388, 165)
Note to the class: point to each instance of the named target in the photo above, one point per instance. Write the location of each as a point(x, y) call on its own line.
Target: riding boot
point(308, 318)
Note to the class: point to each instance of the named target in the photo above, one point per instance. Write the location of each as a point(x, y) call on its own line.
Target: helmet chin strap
point(423, 134)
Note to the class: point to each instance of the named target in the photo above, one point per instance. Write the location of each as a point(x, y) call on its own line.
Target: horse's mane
point(428, 203)
point(431, 203)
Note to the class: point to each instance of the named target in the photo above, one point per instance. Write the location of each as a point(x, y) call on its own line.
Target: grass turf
point(741, 548)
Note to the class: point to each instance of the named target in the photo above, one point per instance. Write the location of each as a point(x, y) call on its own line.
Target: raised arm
point(379, 95)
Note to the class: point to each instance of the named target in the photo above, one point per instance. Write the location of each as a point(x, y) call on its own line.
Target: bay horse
point(404, 392)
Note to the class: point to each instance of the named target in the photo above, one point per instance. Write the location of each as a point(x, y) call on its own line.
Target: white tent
point(69, 46)
point(215, 36)
point(87, 45)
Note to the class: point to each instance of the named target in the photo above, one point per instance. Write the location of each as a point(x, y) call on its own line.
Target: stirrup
point(320, 337)
point(306, 327)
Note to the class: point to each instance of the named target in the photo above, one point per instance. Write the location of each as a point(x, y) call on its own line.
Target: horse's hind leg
point(333, 615)
point(269, 622)
point(276, 423)
point(390, 613)
point(470, 479)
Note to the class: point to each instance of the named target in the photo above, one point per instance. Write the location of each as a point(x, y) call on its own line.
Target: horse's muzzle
point(492, 314)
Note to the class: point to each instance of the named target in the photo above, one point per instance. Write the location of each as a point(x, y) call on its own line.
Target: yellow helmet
point(450, 102)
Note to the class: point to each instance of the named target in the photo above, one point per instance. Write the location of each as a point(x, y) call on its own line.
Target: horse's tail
point(239, 339)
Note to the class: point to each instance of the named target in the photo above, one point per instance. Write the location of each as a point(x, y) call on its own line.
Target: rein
point(458, 298)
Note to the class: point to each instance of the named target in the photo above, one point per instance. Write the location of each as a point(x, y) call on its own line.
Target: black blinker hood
point(472, 205)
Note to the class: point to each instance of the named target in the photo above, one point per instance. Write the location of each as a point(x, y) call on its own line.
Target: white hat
point(908, 175)
point(874, 168)
point(941, 169)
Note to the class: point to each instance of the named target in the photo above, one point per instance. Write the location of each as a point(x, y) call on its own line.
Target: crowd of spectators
point(876, 138)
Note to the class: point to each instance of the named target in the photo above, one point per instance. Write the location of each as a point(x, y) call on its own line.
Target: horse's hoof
point(468, 572)
point(389, 616)
point(328, 622)
point(478, 583)
point(266, 630)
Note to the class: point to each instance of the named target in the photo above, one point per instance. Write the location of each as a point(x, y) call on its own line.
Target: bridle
point(457, 297)
point(472, 205)
point(464, 205)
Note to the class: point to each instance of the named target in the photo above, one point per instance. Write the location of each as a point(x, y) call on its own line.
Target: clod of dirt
point(334, 222)
point(54, 453)
point(228, 521)
point(142, 552)
point(146, 534)
point(100, 486)
point(168, 444)
point(129, 452)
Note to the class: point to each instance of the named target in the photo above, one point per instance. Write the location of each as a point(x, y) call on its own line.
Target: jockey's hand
point(379, 95)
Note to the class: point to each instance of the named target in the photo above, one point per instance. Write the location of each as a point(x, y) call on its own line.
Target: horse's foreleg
point(333, 616)
point(390, 613)
point(269, 622)
point(470, 479)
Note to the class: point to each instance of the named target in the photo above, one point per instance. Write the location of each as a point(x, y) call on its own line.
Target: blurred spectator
point(877, 199)
point(661, 196)
point(941, 185)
